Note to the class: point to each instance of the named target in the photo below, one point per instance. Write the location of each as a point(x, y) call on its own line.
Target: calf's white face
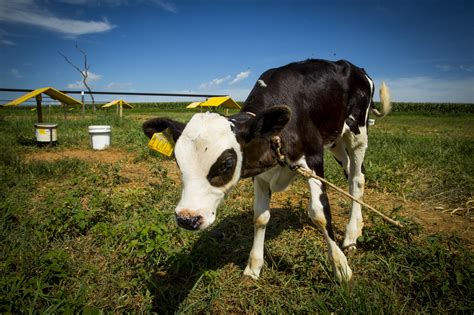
point(210, 160)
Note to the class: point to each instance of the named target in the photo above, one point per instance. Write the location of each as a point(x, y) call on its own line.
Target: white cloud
point(466, 68)
point(165, 5)
point(4, 40)
point(444, 67)
point(15, 73)
point(239, 77)
point(76, 85)
point(449, 67)
point(118, 86)
point(27, 12)
point(91, 79)
point(215, 82)
point(75, 2)
point(7, 42)
point(108, 3)
point(429, 89)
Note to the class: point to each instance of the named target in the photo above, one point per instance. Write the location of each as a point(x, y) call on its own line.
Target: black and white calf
point(310, 105)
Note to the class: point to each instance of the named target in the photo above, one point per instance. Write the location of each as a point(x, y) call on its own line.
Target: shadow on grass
point(26, 141)
point(32, 142)
point(229, 241)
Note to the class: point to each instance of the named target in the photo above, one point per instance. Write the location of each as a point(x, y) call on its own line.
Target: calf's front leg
point(261, 207)
point(320, 213)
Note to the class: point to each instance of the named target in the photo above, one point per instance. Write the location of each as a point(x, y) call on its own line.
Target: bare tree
point(84, 73)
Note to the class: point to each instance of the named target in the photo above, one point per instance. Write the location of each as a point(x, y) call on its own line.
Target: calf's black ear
point(155, 125)
point(270, 122)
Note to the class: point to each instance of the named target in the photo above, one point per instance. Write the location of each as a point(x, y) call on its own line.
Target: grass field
point(90, 231)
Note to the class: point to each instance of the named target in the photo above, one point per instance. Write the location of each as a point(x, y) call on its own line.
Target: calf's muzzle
point(189, 222)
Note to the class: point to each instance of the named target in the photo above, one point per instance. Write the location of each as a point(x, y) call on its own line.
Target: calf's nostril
point(195, 221)
point(187, 222)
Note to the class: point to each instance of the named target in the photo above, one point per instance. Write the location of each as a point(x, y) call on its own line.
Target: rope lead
point(276, 143)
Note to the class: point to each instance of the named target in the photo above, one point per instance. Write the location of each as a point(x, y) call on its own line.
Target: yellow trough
point(120, 104)
point(214, 102)
point(51, 92)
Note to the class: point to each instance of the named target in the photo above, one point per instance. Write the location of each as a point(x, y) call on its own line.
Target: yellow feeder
point(51, 92)
point(214, 102)
point(193, 105)
point(120, 104)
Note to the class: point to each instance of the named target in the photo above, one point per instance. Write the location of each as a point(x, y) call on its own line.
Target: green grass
point(86, 235)
point(434, 152)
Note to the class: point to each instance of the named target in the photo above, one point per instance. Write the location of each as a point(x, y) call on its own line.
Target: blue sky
point(423, 49)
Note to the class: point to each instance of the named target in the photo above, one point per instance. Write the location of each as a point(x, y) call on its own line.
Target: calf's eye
point(229, 163)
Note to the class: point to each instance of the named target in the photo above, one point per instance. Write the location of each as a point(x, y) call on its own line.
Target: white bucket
point(46, 133)
point(100, 136)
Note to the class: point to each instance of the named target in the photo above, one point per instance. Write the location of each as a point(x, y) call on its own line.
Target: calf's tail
point(385, 100)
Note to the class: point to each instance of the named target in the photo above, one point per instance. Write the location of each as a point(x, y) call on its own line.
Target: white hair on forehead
point(206, 125)
point(204, 138)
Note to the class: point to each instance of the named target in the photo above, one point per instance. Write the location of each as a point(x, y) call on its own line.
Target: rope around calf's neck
point(276, 141)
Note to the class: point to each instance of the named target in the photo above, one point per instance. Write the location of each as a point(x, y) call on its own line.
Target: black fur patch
point(353, 125)
point(159, 124)
point(321, 95)
point(340, 163)
point(327, 212)
point(222, 170)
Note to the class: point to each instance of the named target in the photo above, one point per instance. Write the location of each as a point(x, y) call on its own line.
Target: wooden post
point(121, 109)
point(39, 110)
point(65, 111)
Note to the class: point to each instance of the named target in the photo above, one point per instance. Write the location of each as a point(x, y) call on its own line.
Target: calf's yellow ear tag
point(162, 142)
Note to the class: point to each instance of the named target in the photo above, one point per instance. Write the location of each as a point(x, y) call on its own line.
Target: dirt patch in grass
point(435, 218)
point(135, 174)
point(432, 217)
point(173, 171)
point(103, 156)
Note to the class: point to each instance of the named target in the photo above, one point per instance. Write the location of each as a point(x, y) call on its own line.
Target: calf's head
point(213, 152)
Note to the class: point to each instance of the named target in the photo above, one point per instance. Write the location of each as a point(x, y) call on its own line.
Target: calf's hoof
point(349, 249)
point(248, 272)
point(343, 275)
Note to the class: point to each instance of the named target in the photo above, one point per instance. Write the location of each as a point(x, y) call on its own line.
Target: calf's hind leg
point(356, 147)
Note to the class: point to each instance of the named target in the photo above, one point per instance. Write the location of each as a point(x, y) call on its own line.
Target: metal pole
point(83, 105)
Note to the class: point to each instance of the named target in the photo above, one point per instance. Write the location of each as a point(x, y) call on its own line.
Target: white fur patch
point(278, 178)
point(262, 83)
point(371, 85)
